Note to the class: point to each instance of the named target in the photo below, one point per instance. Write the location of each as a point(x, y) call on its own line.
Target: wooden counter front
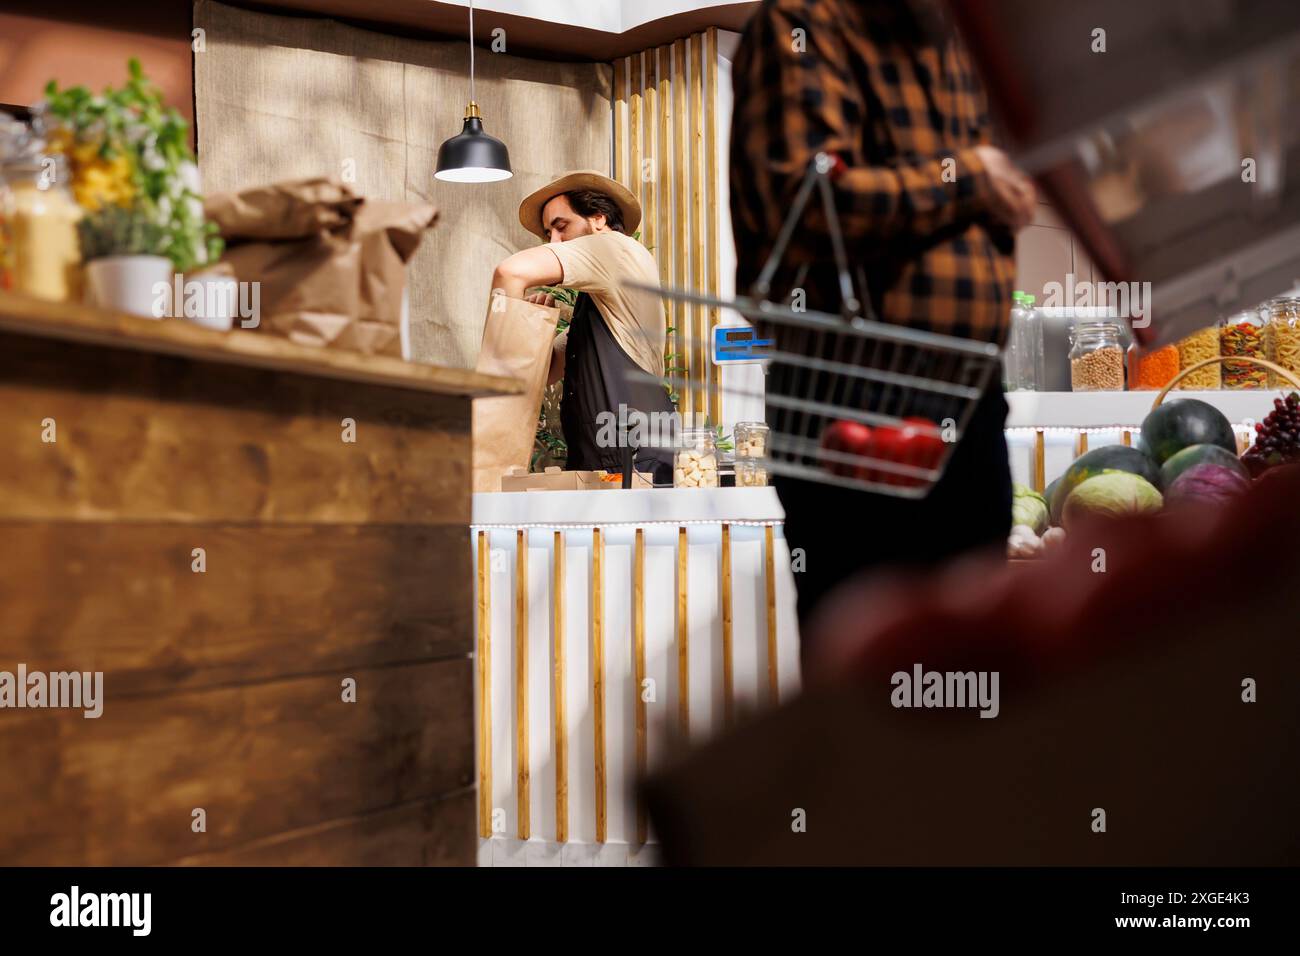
point(126, 445)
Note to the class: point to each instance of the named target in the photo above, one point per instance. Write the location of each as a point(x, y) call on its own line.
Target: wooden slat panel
point(728, 680)
point(1081, 445)
point(638, 664)
point(1128, 439)
point(436, 832)
point(1040, 461)
point(683, 314)
point(695, 176)
point(484, 674)
point(274, 601)
point(598, 678)
point(769, 579)
point(712, 253)
point(621, 148)
point(523, 794)
point(650, 234)
point(683, 636)
point(557, 694)
point(145, 438)
point(260, 759)
point(663, 150)
point(634, 107)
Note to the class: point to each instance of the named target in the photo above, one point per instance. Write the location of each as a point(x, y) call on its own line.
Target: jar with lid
point(1096, 358)
point(751, 473)
point(1151, 369)
point(1197, 347)
point(1283, 338)
point(1243, 334)
point(751, 440)
point(695, 463)
point(46, 249)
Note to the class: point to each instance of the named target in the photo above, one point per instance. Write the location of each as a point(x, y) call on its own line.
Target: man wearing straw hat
point(611, 357)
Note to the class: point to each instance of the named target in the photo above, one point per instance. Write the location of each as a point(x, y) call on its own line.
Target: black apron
point(598, 378)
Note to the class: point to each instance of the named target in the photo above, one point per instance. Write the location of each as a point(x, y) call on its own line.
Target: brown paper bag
point(517, 341)
point(289, 210)
point(331, 265)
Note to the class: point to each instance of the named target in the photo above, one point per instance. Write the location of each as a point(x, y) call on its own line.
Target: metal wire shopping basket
point(852, 401)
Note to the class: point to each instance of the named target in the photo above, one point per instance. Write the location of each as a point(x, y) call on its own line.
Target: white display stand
point(750, 516)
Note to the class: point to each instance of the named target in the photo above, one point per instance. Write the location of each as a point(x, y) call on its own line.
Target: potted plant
point(132, 171)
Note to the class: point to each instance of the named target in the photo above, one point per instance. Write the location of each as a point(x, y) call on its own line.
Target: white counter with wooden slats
point(609, 625)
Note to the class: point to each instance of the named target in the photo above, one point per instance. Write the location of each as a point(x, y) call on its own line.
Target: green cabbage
point(1029, 508)
point(1115, 494)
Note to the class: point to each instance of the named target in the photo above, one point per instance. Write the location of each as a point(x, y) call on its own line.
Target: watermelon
point(1180, 461)
point(1098, 461)
point(1184, 422)
point(1208, 483)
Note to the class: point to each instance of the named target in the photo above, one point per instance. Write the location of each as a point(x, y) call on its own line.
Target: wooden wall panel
point(274, 601)
point(672, 166)
point(259, 758)
point(423, 833)
point(224, 690)
point(148, 437)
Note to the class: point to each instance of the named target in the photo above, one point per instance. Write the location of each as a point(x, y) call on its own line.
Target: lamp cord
point(471, 51)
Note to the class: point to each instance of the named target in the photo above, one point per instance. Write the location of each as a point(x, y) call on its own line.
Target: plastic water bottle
point(1010, 352)
point(1029, 347)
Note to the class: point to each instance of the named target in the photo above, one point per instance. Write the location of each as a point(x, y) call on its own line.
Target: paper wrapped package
point(517, 341)
point(332, 265)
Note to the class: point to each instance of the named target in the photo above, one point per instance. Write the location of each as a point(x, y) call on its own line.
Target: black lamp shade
point(473, 156)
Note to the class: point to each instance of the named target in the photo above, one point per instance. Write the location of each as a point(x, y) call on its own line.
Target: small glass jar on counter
point(1283, 338)
point(751, 473)
point(695, 462)
point(1152, 369)
point(751, 439)
point(1197, 347)
point(46, 248)
point(1096, 358)
point(1243, 334)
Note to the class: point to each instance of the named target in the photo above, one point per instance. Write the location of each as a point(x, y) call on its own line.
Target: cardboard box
point(553, 479)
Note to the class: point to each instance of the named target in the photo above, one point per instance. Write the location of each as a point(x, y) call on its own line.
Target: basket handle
point(1173, 382)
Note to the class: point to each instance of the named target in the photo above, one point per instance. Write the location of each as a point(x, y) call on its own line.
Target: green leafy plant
point(129, 157)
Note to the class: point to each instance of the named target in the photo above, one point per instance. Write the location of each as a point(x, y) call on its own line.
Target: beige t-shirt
point(601, 264)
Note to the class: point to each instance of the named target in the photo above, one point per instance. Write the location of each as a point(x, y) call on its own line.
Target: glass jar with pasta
point(1284, 338)
point(1243, 334)
point(1198, 347)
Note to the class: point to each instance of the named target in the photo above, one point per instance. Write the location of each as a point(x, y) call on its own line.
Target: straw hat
point(530, 210)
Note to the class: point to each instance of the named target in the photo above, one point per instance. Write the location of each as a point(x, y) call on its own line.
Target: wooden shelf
point(74, 322)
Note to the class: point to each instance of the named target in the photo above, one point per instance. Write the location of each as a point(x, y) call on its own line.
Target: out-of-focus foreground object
point(1164, 134)
point(1139, 674)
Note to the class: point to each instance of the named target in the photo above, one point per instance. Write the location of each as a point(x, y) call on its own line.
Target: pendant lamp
point(472, 156)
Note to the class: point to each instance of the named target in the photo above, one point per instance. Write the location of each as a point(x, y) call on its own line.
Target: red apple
point(848, 438)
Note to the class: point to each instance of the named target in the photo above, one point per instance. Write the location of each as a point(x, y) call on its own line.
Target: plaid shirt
point(896, 109)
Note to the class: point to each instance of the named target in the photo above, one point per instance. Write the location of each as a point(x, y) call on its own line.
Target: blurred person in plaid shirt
point(929, 210)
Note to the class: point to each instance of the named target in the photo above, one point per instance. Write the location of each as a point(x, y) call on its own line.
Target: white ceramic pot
point(209, 301)
point(127, 284)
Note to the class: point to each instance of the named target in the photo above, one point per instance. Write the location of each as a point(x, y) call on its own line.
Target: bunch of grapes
point(1277, 437)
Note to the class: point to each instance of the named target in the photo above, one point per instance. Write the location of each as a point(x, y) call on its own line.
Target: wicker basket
point(1271, 366)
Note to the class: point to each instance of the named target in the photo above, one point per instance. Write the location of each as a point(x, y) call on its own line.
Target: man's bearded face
point(562, 223)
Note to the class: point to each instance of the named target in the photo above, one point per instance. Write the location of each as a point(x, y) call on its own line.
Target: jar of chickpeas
point(1243, 334)
point(695, 463)
point(1197, 347)
point(1096, 359)
point(1284, 338)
